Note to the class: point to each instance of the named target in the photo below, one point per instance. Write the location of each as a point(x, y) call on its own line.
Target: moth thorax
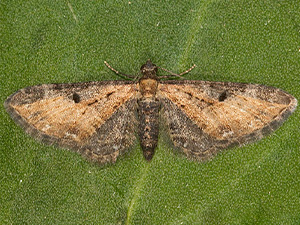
point(148, 87)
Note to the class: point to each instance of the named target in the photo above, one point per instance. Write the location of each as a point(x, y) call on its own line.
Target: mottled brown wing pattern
point(100, 119)
point(79, 116)
point(204, 117)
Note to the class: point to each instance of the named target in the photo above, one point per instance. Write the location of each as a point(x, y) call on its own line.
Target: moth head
point(149, 67)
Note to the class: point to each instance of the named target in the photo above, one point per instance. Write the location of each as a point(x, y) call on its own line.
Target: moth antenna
point(188, 70)
point(117, 72)
point(172, 74)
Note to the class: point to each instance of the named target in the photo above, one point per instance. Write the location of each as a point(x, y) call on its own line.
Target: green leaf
point(67, 41)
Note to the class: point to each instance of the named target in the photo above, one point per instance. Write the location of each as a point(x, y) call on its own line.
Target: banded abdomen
point(148, 113)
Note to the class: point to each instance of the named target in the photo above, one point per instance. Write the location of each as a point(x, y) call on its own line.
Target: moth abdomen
point(148, 113)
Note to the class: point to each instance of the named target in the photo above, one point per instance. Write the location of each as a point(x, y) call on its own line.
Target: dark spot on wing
point(222, 96)
point(76, 97)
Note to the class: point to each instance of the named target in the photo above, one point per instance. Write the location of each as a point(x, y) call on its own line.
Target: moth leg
point(174, 74)
point(122, 74)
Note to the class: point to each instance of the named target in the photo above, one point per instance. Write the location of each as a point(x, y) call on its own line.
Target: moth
point(100, 119)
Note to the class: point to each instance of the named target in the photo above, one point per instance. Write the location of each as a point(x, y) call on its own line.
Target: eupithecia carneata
point(101, 119)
